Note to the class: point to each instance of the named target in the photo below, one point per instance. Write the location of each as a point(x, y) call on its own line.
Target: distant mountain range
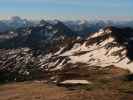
point(81, 27)
point(49, 49)
point(14, 23)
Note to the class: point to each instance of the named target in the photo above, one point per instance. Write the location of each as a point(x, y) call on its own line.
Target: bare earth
point(42, 91)
point(107, 84)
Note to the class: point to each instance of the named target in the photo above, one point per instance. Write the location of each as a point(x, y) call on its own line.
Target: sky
point(67, 9)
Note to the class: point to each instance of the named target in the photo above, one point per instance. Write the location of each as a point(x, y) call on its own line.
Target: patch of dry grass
point(42, 91)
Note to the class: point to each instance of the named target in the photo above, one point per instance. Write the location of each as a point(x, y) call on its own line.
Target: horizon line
point(115, 18)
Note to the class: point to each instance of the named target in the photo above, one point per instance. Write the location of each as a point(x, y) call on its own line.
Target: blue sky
point(67, 9)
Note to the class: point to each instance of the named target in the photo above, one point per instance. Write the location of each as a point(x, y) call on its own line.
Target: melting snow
point(58, 67)
point(75, 82)
point(98, 55)
point(58, 52)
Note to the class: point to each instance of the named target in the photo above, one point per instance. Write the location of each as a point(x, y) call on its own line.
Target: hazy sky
point(67, 9)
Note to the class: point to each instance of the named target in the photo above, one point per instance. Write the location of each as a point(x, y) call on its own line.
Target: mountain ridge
point(62, 53)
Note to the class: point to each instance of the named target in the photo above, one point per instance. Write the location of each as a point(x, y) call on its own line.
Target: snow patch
point(58, 67)
point(58, 52)
point(75, 82)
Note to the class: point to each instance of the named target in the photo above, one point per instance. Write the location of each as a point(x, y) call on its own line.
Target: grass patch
point(105, 81)
point(91, 87)
point(126, 87)
point(88, 87)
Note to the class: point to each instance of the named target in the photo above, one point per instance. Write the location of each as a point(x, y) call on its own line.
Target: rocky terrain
point(53, 54)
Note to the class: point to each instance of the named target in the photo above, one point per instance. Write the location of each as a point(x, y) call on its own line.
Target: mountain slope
point(111, 46)
point(42, 36)
point(49, 51)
